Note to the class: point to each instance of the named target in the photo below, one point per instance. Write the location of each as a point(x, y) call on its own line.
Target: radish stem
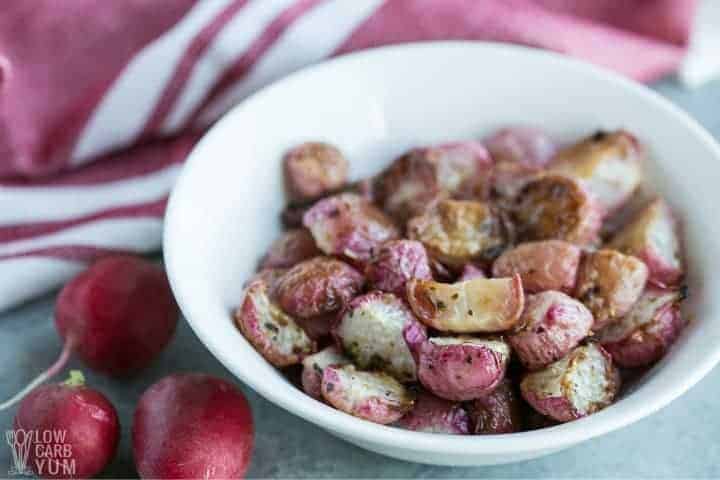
point(54, 369)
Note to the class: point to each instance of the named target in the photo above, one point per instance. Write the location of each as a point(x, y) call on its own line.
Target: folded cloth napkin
point(100, 100)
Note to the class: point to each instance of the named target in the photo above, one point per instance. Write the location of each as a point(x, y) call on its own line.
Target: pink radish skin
point(520, 153)
point(83, 415)
point(120, 313)
point(117, 316)
point(433, 414)
point(471, 272)
point(192, 426)
point(497, 412)
point(395, 263)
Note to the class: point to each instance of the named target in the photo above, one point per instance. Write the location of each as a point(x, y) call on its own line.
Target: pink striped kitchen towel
point(101, 100)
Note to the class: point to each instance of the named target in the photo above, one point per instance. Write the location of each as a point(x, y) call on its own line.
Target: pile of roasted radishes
point(470, 287)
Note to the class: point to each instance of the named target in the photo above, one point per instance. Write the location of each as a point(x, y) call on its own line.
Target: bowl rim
point(547, 439)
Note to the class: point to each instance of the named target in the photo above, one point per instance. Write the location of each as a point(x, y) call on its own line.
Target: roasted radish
point(395, 263)
point(552, 325)
point(370, 331)
point(556, 207)
point(317, 287)
point(462, 368)
point(312, 170)
point(519, 153)
point(459, 231)
point(543, 265)
point(432, 414)
point(478, 305)
point(314, 365)
point(422, 177)
point(273, 333)
point(497, 412)
point(607, 164)
point(350, 226)
point(581, 383)
point(643, 335)
point(372, 396)
point(609, 283)
point(652, 236)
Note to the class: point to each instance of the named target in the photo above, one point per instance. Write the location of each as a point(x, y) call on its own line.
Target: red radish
point(192, 426)
point(117, 316)
point(73, 429)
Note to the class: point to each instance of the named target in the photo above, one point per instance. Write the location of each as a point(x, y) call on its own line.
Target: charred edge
point(684, 292)
point(599, 136)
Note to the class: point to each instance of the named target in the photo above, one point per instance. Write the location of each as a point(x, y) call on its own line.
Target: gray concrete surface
point(682, 440)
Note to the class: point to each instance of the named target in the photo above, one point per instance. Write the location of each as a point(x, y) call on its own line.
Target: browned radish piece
point(498, 412)
point(273, 333)
point(350, 226)
point(317, 287)
point(556, 207)
point(509, 179)
point(471, 272)
point(373, 396)
point(652, 236)
point(370, 331)
point(519, 153)
point(478, 305)
point(643, 336)
point(609, 283)
point(423, 176)
point(312, 170)
point(464, 169)
point(543, 265)
point(291, 248)
point(395, 263)
point(462, 368)
point(314, 366)
point(435, 415)
point(608, 164)
point(578, 385)
point(459, 231)
point(614, 222)
point(552, 325)
point(409, 186)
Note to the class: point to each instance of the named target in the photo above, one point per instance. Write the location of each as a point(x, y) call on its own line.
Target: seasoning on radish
point(117, 316)
point(192, 426)
point(76, 429)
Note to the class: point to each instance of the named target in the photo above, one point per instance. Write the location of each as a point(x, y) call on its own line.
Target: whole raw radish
point(192, 426)
point(117, 316)
point(73, 429)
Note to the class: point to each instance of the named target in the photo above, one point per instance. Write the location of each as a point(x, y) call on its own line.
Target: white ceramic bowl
point(224, 210)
